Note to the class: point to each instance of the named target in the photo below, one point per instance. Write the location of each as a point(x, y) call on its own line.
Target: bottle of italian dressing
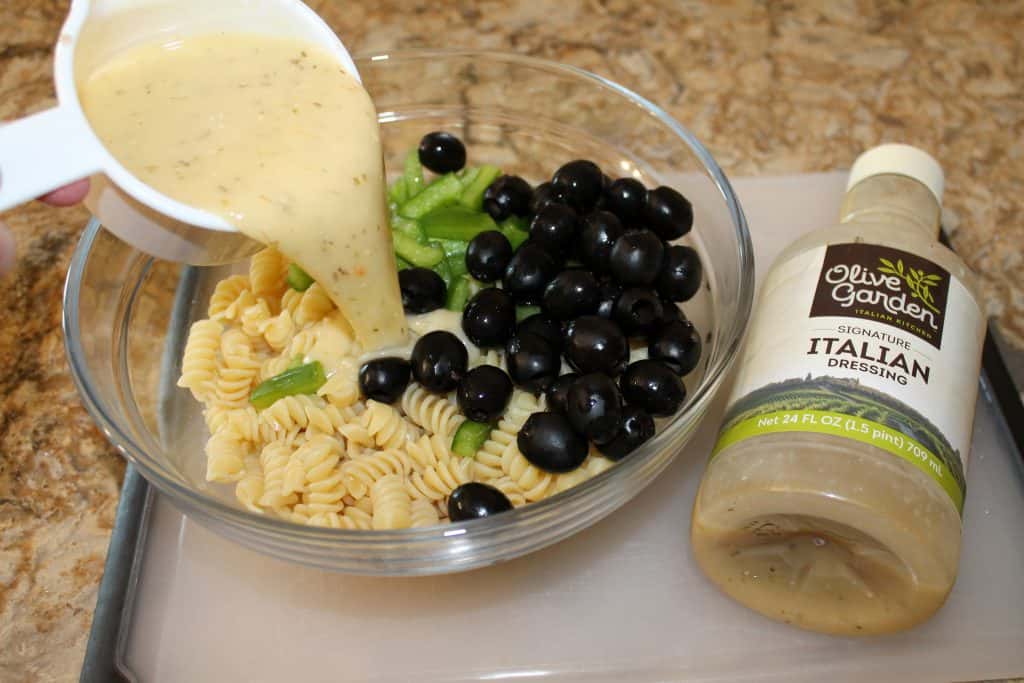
point(834, 495)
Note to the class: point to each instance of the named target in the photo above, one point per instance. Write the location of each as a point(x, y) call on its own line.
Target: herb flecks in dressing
point(273, 135)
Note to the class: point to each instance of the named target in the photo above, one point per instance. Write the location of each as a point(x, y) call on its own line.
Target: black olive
point(626, 198)
point(558, 392)
point(488, 255)
point(544, 327)
point(668, 213)
point(528, 272)
point(439, 361)
point(554, 227)
point(651, 385)
point(549, 442)
point(599, 234)
point(594, 407)
point(572, 293)
point(637, 427)
point(581, 182)
point(680, 274)
point(593, 344)
point(474, 500)
point(638, 312)
point(508, 195)
point(545, 194)
point(489, 318)
point(442, 152)
point(532, 362)
point(670, 312)
point(636, 258)
point(610, 291)
point(677, 345)
point(484, 393)
point(384, 379)
point(423, 290)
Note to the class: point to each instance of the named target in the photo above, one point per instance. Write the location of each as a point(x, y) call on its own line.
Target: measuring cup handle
point(45, 151)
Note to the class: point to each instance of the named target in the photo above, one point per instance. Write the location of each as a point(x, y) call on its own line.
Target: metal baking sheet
point(620, 601)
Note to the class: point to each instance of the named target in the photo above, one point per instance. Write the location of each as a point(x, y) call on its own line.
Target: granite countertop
point(771, 88)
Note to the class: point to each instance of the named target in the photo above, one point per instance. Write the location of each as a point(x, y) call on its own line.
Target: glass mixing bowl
point(126, 315)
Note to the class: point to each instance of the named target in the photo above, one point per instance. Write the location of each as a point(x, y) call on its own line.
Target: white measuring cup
point(47, 150)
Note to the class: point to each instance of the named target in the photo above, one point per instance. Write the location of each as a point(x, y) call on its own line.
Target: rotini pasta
point(437, 481)
point(225, 458)
point(359, 473)
point(392, 506)
point(436, 414)
point(313, 305)
point(385, 425)
point(249, 489)
point(199, 363)
point(330, 459)
point(423, 513)
point(267, 271)
point(226, 293)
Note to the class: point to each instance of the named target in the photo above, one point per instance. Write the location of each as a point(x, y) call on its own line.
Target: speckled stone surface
point(769, 87)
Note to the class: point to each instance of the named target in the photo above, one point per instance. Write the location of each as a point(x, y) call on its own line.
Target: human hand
point(65, 196)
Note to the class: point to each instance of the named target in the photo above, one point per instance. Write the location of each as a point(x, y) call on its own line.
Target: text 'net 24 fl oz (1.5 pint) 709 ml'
point(834, 494)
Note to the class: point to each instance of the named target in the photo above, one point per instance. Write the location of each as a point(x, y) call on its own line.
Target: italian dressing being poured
point(276, 137)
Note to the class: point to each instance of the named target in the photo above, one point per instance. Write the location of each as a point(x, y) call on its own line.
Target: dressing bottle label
point(868, 343)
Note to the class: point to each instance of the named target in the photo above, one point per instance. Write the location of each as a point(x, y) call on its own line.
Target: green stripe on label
point(850, 427)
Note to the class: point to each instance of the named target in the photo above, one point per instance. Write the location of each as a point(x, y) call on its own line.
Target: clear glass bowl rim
point(211, 508)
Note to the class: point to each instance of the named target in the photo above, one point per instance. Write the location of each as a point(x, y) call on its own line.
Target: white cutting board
point(622, 601)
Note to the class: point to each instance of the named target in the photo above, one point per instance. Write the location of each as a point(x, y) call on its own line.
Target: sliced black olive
point(384, 379)
point(439, 361)
point(484, 393)
point(652, 386)
point(549, 442)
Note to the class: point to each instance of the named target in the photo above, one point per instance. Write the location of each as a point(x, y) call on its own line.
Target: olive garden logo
point(919, 284)
point(887, 285)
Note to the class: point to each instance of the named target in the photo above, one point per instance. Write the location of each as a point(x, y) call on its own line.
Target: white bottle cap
point(900, 160)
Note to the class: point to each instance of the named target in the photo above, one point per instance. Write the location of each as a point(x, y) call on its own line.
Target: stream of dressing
point(273, 135)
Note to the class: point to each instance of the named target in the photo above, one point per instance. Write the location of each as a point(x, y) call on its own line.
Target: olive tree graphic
point(919, 284)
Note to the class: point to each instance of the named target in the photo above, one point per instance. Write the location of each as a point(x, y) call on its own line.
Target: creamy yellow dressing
point(273, 135)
